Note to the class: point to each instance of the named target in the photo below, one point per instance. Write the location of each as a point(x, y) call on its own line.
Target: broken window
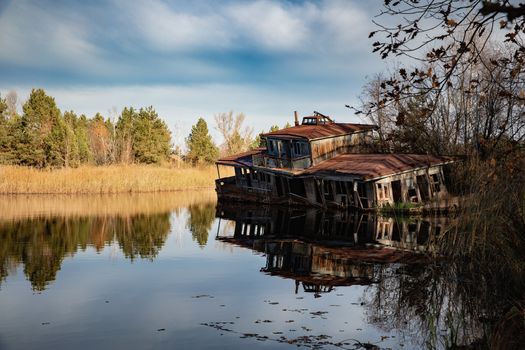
point(340, 187)
point(379, 191)
point(412, 192)
point(382, 191)
point(435, 182)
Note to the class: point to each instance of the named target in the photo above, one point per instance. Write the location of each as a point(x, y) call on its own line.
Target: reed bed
point(104, 179)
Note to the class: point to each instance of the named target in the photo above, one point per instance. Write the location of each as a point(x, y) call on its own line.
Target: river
point(176, 270)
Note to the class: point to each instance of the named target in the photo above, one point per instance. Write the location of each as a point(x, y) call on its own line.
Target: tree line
point(44, 137)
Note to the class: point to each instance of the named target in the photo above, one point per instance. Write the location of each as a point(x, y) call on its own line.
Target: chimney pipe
point(296, 118)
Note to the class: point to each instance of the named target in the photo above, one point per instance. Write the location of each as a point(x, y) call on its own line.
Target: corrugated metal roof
point(244, 158)
point(371, 166)
point(312, 132)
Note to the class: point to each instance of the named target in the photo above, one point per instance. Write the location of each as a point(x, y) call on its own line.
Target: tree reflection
point(200, 220)
point(41, 244)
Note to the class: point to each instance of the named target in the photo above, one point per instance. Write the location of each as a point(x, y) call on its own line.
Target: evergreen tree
point(81, 129)
point(151, 137)
point(5, 135)
point(71, 149)
point(124, 135)
point(40, 116)
point(201, 148)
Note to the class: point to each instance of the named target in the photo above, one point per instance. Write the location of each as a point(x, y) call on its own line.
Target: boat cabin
point(323, 163)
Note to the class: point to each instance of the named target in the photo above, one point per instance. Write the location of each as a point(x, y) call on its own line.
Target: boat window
point(435, 182)
point(309, 121)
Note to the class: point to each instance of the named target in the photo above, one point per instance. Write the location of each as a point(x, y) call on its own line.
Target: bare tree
point(455, 33)
point(236, 138)
point(12, 103)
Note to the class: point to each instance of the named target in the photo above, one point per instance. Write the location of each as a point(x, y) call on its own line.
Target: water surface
point(176, 271)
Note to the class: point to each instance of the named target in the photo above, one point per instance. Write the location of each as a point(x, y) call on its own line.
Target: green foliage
point(43, 137)
point(142, 137)
point(151, 137)
point(81, 130)
point(40, 116)
point(5, 134)
point(201, 148)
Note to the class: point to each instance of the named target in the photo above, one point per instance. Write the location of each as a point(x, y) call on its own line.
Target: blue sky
point(191, 59)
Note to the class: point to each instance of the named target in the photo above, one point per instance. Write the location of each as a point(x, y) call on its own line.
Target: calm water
point(172, 271)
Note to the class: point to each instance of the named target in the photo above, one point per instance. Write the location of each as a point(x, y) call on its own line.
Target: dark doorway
point(278, 184)
point(396, 191)
point(422, 184)
point(297, 187)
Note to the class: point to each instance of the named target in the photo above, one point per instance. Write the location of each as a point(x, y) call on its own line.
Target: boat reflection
point(321, 250)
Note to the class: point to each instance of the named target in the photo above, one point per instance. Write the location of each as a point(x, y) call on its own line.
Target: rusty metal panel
point(314, 132)
point(370, 166)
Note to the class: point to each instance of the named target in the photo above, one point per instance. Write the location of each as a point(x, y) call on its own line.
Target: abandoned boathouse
point(323, 163)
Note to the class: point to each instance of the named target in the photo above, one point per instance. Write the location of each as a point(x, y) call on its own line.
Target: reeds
point(104, 179)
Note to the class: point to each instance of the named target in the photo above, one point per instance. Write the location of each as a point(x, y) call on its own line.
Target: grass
point(105, 179)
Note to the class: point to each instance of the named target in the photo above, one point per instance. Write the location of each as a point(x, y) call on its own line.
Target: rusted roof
point(244, 158)
point(371, 166)
point(312, 132)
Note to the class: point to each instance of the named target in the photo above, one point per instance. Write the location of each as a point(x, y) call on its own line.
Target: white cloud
point(36, 38)
point(266, 25)
point(168, 29)
point(269, 24)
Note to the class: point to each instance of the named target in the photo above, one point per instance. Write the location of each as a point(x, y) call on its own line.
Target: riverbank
point(104, 179)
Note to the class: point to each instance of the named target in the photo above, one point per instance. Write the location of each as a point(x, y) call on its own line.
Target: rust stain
point(313, 132)
point(369, 166)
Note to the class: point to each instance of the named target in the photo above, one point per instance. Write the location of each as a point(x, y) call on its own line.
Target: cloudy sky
point(191, 59)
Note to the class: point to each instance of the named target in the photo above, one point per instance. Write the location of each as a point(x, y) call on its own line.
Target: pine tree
point(5, 136)
point(40, 116)
point(71, 149)
point(201, 148)
point(124, 135)
point(151, 137)
point(85, 154)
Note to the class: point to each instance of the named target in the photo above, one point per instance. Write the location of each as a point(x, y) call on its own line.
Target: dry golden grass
point(63, 205)
point(105, 179)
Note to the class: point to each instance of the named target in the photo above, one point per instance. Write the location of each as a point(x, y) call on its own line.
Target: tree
point(5, 135)
point(124, 135)
point(201, 148)
point(469, 86)
point(151, 137)
point(12, 103)
point(81, 129)
point(236, 138)
point(100, 140)
point(455, 33)
point(40, 116)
